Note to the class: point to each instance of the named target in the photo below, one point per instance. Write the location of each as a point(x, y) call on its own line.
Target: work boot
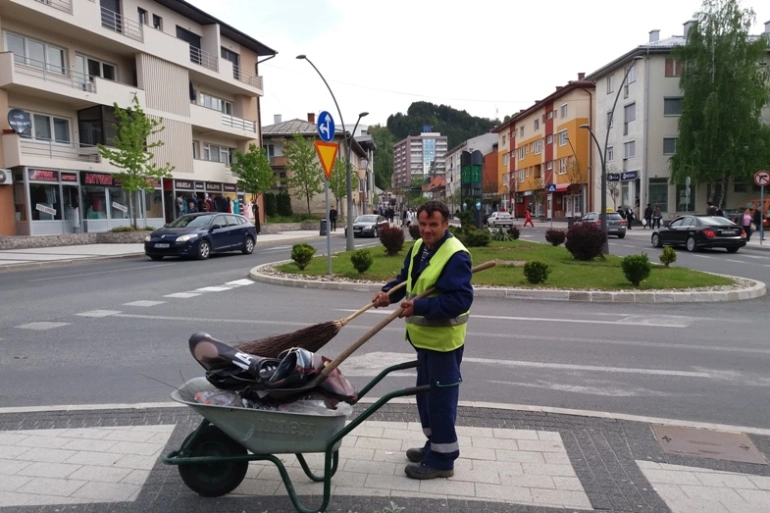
point(415, 455)
point(423, 471)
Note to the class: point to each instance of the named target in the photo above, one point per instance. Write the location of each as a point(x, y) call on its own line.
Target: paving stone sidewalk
point(512, 461)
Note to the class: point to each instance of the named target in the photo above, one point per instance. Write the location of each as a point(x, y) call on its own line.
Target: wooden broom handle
point(369, 334)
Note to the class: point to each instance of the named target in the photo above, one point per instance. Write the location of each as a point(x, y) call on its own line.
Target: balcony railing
point(61, 150)
point(61, 5)
point(238, 123)
point(203, 58)
point(51, 73)
point(247, 78)
point(117, 22)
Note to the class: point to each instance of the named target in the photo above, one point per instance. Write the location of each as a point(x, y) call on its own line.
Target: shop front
point(46, 201)
point(193, 196)
point(105, 205)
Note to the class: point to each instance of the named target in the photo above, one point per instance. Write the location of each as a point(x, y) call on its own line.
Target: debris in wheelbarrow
point(315, 403)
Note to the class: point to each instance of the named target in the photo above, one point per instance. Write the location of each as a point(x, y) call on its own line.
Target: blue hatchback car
point(199, 235)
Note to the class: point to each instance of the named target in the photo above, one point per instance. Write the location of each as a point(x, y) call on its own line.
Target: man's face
point(432, 228)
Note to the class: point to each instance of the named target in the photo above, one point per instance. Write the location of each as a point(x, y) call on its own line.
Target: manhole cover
point(707, 444)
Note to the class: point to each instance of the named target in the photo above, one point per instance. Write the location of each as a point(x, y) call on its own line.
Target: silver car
point(616, 225)
point(499, 219)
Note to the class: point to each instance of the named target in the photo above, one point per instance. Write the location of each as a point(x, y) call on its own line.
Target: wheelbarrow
point(214, 458)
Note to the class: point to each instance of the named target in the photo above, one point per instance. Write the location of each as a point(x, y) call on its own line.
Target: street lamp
point(603, 156)
point(350, 244)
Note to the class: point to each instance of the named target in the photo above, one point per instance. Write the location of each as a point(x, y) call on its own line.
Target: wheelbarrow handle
point(422, 389)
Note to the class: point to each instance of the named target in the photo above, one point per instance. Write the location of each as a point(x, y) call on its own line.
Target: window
point(196, 150)
point(91, 68)
point(629, 149)
point(631, 70)
point(672, 106)
point(563, 166)
point(610, 119)
point(144, 19)
point(610, 84)
point(659, 193)
point(673, 68)
point(505, 159)
point(521, 175)
point(550, 115)
point(521, 132)
point(47, 195)
point(629, 112)
point(212, 102)
point(539, 146)
point(564, 111)
point(503, 139)
point(214, 153)
point(537, 124)
point(49, 128)
point(521, 153)
point(610, 153)
point(157, 22)
point(563, 138)
point(669, 145)
point(549, 139)
point(684, 202)
point(35, 53)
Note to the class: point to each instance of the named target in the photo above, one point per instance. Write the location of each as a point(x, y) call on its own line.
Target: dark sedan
point(368, 226)
point(199, 235)
point(699, 232)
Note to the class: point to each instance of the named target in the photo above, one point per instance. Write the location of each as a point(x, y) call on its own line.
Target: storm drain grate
point(703, 443)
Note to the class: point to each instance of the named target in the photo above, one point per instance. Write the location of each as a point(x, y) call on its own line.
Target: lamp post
point(350, 244)
point(603, 156)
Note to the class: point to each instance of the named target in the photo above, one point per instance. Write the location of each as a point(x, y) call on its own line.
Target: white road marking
point(42, 326)
point(144, 303)
point(735, 261)
point(240, 283)
point(100, 272)
point(183, 295)
point(99, 313)
point(627, 246)
point(213, 289)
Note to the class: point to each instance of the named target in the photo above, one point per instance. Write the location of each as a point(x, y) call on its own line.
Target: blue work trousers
point(438, 407)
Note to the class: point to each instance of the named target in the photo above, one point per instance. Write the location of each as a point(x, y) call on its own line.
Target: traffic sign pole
point(762, 178)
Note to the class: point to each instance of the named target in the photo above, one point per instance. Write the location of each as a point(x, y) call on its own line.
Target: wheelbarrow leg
point(309, 473)
point(327, 481)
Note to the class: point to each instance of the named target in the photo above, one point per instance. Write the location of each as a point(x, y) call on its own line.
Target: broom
point(313, 337)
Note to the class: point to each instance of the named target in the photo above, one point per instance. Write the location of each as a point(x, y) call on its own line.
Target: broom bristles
point(311, 338)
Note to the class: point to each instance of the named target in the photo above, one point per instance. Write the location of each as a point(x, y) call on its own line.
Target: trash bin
point(570, 222)
point(323, 227)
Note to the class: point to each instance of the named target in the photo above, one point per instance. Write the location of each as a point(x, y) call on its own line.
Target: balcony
point(19, 151)
point(119, 23)
point(247, 78)
point(61, 5)
point(220, 122)
point(203, 58)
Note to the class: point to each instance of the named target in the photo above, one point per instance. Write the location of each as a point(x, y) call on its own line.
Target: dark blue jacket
point(454, 283)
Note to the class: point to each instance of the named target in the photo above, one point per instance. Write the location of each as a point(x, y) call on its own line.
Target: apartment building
point(643, 130)
point(548, 148)
point(418, 156)
point(276, 136)
point(484, 143)
point(64, 63)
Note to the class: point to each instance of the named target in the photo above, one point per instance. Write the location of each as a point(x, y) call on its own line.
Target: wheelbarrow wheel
point(214, 479)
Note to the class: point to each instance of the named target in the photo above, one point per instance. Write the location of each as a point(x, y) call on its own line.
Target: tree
point(253, 170)
point(383, 157)
point(338, 184)
point(613, 187)
point(132, 152)
point(305, 173)
point(724, 90)
point(575, 174)
point(454, 199)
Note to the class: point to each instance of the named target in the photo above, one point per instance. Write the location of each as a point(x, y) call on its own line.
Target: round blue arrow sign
point(325, 126)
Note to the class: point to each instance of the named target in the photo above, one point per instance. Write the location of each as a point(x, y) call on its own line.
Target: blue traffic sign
point(326, 126)
point(551, 187)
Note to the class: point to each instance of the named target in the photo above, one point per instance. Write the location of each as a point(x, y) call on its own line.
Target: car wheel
point(156, 257)
point(621, 236)
point(732, 250)
point(656, 241)
point(376, 233)
point(248, 246)
point(204, 250)
point(690, 244)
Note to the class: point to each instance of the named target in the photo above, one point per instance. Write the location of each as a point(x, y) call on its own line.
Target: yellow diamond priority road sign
point(327, 153)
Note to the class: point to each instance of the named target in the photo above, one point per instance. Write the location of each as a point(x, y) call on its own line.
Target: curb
point(727, 428)
point(753, 290)
point(52, 263)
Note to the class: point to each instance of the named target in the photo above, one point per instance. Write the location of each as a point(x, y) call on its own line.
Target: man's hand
point(381, 299)
point(408, 307)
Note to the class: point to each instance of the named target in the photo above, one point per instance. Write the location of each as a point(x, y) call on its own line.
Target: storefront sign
point(154, 182)
point(47, 210)
point(214, 187)
point(97, 179)
point(183, 185)
point(69, 177)
point(229, 187)
point(118, 206)
point(43, 175)
point(199, 186)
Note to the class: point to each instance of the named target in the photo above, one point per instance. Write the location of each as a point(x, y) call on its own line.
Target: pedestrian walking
point(656, 217)
point(436, 327)
point(333, 218)
point(757, 218)
point(648, 216)
point(746, 221)
point(255, 210)
point(528, 218)
point(629, 217)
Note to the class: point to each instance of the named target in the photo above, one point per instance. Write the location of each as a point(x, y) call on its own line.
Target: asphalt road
point(107, 332)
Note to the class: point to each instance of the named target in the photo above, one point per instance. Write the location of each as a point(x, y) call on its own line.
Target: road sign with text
point(327, 154)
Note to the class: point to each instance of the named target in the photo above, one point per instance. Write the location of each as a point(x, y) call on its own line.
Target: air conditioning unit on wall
point(6, 177)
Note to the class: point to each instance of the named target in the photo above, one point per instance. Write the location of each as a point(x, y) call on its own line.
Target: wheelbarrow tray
point(264, 431)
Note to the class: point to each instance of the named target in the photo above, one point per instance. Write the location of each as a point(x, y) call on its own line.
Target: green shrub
point(302, 254)
point(536, 271)
point(585, 241)
point(414, 231)
point(474, 238)
point(500, 236)
point(514, 231)
point(393, 240)
point(362, 260)
point(283, 203)
point(457, 231)
point(668, 256)
point(636, 268)
point(466, 218)
point(555, 237)
point(271, 206)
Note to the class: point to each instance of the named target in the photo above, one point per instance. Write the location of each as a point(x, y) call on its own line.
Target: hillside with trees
point(457, 125)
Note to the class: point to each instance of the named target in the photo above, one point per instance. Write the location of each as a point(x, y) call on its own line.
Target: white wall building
point(484, 143)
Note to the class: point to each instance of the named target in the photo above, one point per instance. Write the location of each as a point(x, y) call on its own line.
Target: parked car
point(368, 225)
point(499, 219)
point(698, 232)
point(199, 235)
point(616, 225)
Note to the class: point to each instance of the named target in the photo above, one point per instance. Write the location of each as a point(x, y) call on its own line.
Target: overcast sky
point(488, 57)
